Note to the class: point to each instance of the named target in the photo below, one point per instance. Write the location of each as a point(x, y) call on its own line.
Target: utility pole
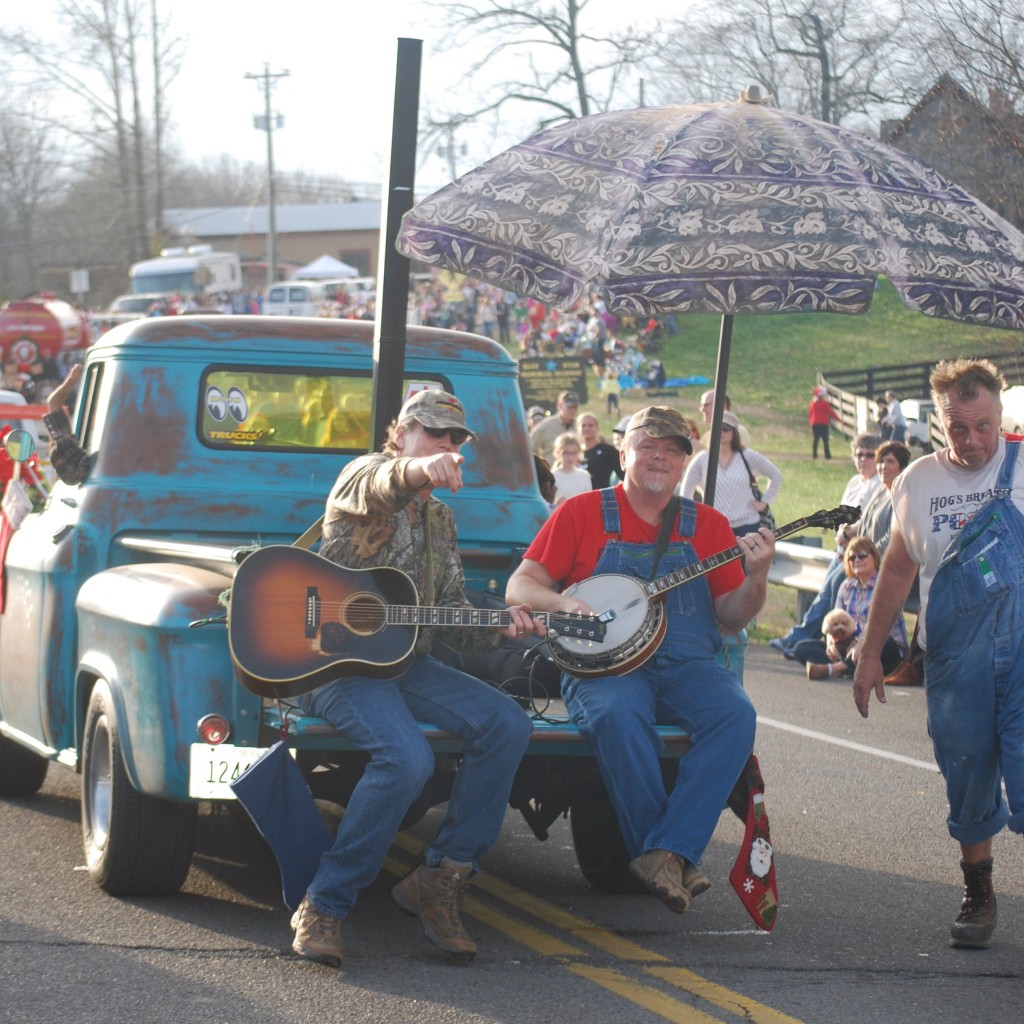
point(266, 122)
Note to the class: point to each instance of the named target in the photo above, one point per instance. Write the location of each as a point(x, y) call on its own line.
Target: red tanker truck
point(41, 327)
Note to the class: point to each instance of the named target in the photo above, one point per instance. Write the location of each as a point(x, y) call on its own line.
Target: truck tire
point(597, 839)
point(22, 772)
point(135, 845)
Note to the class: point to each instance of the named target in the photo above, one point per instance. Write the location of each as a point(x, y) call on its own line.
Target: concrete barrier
point(802, 567)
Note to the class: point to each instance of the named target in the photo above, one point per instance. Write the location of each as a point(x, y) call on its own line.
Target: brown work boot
point(673, 879)
point(816, 671)
point(976, 921)
point(317, 935)
point(694, 880)
point(434, 894)
point(906, 673)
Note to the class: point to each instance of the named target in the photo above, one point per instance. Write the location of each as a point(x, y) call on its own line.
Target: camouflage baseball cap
point(435, 408)
point(661, 421)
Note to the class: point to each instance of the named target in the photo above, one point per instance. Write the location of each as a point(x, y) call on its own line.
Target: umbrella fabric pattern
point(732, 208)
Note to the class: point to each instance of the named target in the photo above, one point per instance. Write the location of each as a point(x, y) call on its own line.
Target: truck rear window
point(283, 409)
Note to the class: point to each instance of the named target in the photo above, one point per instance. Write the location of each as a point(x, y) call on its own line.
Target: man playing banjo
point(640, 530)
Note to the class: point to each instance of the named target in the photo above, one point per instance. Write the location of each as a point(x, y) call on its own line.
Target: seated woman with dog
point(837, 656)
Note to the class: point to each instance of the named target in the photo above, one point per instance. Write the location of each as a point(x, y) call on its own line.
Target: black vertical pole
point(392, 267)
point(721, 380)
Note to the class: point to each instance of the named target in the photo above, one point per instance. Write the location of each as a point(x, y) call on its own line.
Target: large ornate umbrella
point(730, 208)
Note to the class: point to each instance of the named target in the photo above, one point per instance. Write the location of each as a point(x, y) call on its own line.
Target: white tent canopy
point(325, 267)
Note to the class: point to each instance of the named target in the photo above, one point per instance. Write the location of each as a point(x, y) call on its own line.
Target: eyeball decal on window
point(216, 405)
point(237, 405)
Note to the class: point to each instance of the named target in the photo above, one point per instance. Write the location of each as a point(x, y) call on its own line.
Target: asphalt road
point(867, 874)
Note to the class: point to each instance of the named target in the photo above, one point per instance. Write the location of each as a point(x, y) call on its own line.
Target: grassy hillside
point(774, 363)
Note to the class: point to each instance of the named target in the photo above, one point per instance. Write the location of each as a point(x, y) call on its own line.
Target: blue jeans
point(810, 627)
point(617, 715)
point(812, 652)
point(379, 716)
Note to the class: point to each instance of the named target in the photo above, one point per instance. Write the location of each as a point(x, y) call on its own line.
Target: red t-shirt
point(571, 541)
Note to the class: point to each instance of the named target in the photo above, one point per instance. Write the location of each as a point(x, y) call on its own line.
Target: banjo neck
point(655, 588)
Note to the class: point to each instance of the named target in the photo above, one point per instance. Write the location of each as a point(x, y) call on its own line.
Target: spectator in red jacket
point(820, 415)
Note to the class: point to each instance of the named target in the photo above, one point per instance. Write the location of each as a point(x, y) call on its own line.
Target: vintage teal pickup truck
point(209, 436)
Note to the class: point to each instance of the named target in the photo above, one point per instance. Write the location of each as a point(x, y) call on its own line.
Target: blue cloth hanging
point(276, 797)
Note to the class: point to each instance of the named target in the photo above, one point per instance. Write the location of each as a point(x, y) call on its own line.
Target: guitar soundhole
point(364, 614)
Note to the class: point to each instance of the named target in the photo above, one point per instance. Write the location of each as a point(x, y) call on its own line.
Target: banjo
point(634, 614)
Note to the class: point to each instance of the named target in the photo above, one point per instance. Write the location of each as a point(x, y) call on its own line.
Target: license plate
point(212, 769)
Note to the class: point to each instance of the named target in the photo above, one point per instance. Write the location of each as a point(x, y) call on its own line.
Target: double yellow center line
point(567, 946)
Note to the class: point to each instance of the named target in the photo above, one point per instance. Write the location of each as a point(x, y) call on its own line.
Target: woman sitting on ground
point(891, 458)
point(861, 561)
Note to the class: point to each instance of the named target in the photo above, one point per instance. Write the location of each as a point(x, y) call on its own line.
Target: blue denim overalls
point(681, 684)
point(974, 666)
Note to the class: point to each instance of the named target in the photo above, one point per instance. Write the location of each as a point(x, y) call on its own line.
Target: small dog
point(841, 633)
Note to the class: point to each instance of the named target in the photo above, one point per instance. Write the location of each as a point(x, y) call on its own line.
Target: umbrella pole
point(721, 381)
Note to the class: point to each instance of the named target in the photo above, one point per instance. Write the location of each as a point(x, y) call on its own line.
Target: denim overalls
point(681, 684)
point(974, 666)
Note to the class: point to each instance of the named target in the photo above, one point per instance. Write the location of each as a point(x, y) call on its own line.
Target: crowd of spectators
point(35, 380)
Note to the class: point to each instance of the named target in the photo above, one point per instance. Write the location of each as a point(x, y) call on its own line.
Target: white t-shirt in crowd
point(859, 491)
point(932, 500)
point(570, 482)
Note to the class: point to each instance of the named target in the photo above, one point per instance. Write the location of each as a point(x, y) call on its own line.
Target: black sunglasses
point(455, 435)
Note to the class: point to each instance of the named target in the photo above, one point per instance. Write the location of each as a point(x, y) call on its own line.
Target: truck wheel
point(21, 771)
point(597, 839)
point(135, 845)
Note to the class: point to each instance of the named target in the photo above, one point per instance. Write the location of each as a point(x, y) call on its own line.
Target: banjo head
point(636, 621)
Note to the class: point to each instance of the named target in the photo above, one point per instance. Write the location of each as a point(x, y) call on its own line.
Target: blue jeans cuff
point(979, 831)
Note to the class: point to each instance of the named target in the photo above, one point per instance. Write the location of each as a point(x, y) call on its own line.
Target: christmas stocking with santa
point(753, 874)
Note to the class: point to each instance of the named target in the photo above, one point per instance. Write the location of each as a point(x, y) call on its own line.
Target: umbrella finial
point(752, 94)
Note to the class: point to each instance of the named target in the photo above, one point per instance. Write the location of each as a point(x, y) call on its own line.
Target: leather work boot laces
point(317, 935)
point(976, 921)
point(673, 879)
point(434, 894)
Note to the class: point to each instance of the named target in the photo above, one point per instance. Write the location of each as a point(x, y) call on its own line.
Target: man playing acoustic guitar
point(635, 530)
point(381, 512)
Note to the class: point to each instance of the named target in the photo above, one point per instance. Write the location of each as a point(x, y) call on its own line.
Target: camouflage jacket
point(373, 519)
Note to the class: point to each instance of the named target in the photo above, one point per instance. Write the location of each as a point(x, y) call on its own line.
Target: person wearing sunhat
point(620, 530)
point(543, 436)
point(738, 470)
point(382, 512)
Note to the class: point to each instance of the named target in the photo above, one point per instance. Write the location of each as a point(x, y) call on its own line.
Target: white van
point(295, 298)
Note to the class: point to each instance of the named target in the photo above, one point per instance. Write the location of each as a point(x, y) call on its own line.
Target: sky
point(337, 100)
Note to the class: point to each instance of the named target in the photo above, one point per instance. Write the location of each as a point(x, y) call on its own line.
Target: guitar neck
point(425, 615)
point(690, 572)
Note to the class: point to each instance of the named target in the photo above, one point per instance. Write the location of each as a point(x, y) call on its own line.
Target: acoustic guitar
point(297, 621)
point(635, 615)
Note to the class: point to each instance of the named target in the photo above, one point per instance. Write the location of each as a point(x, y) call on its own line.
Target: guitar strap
point(314, 533)
point(428, 541)
point(311, 536)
